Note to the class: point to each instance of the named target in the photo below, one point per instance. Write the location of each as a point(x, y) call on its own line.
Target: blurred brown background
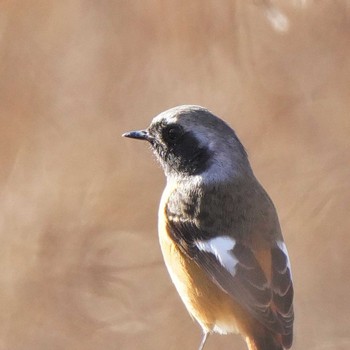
point(79, 256)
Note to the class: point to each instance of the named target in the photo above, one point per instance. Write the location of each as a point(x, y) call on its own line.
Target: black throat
point(187, 156)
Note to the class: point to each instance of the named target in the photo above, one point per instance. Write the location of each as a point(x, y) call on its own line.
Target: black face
point(179, 150)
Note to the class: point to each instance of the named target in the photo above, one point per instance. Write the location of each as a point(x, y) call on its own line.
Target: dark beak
point(139, 135)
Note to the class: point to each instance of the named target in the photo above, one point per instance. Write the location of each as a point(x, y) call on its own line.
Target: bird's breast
point(209, 305)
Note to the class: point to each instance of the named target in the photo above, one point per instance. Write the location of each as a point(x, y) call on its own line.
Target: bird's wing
point(241, 273)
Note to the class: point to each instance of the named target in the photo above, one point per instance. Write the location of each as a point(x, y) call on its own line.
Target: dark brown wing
point(282, 289)
point(239, 272)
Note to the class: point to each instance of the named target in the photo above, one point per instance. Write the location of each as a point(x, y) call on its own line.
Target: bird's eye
point(173, 133)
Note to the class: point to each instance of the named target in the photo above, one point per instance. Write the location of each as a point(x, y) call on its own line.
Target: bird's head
point(191, 141)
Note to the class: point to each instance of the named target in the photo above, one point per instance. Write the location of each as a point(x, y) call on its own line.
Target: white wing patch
point(283, 247)
point(221, 247)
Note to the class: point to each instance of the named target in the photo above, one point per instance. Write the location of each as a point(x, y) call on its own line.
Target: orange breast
point(213, 309)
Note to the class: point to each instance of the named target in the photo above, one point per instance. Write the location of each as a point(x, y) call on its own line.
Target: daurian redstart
point(219, 232)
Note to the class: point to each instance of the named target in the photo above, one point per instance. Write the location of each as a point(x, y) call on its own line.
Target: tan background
point(80, 266)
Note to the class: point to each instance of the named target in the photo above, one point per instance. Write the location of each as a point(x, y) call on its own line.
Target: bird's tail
point(266, 342)
point(258, 337)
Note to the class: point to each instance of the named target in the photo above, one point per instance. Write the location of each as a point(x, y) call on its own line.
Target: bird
point(219, 231)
